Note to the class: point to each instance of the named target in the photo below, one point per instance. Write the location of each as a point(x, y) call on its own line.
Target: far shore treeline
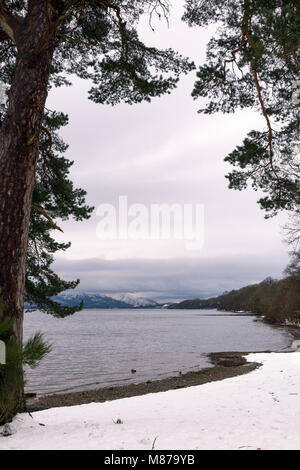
point(278, 301)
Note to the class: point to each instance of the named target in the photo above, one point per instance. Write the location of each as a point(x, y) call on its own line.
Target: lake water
point(98, 348)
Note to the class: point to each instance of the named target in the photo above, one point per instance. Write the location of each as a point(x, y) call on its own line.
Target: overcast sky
point(164, 152)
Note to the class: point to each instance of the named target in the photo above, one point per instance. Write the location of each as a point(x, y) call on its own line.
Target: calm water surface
point(97, 348)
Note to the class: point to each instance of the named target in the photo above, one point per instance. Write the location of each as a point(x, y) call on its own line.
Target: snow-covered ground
point(260, 410)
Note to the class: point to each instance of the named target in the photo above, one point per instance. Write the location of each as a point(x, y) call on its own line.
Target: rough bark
point(18, 154)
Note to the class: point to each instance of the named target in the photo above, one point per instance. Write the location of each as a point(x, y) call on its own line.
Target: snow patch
point(134, 300)
point(259, 410)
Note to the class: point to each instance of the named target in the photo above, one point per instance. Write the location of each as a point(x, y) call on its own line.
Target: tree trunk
point(19, 135)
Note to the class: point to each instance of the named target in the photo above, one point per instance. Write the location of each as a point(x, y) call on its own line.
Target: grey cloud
point(170, 279)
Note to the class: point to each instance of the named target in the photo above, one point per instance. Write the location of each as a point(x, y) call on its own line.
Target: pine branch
point(246, 38)
point(42, 211)
point(122, 28)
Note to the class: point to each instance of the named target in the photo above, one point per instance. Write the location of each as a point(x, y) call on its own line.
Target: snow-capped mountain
point(90, 300)
point(93, 300)
point(134, 300)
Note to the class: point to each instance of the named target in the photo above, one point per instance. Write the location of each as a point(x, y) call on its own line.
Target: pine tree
point(253, 62)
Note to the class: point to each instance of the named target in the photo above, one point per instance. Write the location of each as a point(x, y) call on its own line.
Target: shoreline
point(225, 365)
point(255, 411)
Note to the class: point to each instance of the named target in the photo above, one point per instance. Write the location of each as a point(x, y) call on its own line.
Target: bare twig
point(164, 6)
point(153, 444)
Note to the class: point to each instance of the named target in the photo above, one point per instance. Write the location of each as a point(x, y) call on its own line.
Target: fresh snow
point(131, 299)
point(259, 410)
point(134, 300)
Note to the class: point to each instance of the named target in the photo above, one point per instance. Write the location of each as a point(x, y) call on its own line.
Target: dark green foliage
point(34, 350)
point(55, 194)
point(135, 82)
point(11, 373)
point(106, 49)
point(202, 304)
point(56, 198)
point(99, 41)
point(279, 301)
point(11, 382)
point(253, 62)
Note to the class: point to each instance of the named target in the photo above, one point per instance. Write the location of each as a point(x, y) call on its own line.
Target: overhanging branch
point(246, 39)
point(122, 27)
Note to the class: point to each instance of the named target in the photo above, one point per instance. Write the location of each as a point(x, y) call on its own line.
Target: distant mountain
point(135, 301)
point(92, 300)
